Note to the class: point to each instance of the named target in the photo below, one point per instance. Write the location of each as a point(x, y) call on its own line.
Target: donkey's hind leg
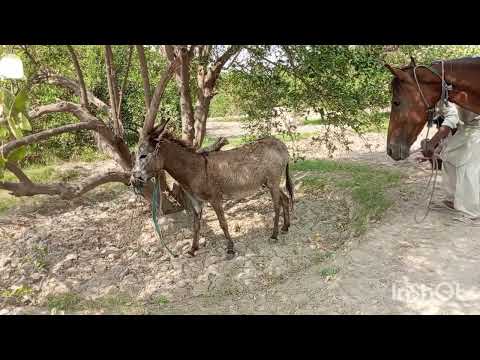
point(275, 192)
point(217, 206)
point(285, 200)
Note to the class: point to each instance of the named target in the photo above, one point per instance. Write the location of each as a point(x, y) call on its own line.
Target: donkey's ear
point(402, 75)
point(159, 130)
point(412, 61)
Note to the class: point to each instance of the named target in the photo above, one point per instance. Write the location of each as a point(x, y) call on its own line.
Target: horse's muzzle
point(398, 151)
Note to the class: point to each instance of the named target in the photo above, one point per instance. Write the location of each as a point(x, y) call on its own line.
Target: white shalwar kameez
point(461, 159)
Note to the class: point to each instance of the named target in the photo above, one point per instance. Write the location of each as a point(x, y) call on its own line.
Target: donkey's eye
point(396, 103)
point(143, 156)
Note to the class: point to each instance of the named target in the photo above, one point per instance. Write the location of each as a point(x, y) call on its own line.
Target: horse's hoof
point(230, 255)
point(191, 253)
point(273, 238)
point(284, 230)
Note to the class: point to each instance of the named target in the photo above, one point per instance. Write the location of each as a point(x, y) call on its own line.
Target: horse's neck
point(183, 165)
point(465, 81)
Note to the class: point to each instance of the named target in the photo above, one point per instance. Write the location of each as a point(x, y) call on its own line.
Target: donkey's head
point(148, 161)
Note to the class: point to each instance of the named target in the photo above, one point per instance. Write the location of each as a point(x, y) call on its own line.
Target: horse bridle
point(444, 95)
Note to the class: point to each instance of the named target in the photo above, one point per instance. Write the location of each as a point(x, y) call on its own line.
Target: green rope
point(155, 207)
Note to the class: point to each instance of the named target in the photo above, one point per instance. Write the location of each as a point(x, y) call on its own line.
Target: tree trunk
point(202, 108)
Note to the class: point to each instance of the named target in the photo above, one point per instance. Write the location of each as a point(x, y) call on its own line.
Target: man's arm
point(450, 122)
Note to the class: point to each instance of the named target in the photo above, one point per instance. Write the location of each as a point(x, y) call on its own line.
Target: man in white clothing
point(461, 157)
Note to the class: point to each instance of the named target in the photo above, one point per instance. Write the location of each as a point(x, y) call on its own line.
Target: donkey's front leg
point(217, 206)
point(197, 218)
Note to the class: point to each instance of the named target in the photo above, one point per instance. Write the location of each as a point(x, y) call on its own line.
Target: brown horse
point(409, 110)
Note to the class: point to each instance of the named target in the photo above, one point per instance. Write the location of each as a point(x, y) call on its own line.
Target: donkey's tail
point(289, 185)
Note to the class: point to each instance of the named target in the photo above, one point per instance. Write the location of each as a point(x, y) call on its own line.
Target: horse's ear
point(412, 61)
point(402, 75)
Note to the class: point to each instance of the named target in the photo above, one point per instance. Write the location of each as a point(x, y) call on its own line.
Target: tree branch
point(157, 96)
point(216, 146)
point(119, 150)
point(66, 192)
point(221, 61)
point(93, 124)
point(14, 169)
point(144, 71)
point(30, 56)
point(83, 89)
point(129, 62)
point(113, 91)
point(60, 80)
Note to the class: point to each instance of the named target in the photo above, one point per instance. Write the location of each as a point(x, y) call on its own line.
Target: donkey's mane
point(171, 138)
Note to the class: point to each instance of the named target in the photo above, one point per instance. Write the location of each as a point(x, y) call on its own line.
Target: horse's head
point(408, 113)
point(148, 160)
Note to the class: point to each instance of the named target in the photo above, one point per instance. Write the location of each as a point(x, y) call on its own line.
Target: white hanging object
point(11, 67)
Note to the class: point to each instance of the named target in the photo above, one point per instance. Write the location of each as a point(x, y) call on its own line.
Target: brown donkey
point(217, 176)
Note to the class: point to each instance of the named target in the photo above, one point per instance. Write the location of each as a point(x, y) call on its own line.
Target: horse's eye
point(396, 103)
point(143, 156)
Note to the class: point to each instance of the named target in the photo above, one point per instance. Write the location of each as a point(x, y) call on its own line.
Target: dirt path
point(103, 245)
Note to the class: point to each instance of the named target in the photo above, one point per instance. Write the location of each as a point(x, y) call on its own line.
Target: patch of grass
point(16, 293)
point(39, 260)
point(315, 121)
point(114, 304)
point(329, 271)
point(89, 155)
point(367, 185)
point(6, 201)
point(67, 302)
point(36, 173)
point(161, 300)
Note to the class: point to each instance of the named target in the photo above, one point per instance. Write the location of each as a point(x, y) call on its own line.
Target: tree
point(91, 114)
point(104, 117)
point(206, 62)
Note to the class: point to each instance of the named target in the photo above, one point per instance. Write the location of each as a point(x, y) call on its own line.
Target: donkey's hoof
point(230, 255)
point(191, 253)
point(284, 229)
point(273, 238)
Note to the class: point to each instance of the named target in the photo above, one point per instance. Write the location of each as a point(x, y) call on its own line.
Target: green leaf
point(14, 124)
point(17, 154)
point(2, 167)
point(24, 123)
point(4, 132)
point(21, 101)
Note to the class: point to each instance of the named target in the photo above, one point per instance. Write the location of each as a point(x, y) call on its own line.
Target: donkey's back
point(241, 171)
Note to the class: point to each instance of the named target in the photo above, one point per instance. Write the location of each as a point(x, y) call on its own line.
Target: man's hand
point(427, 148)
